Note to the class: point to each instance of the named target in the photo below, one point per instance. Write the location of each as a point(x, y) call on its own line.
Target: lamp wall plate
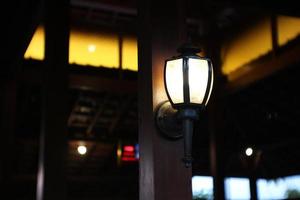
point(167, 121)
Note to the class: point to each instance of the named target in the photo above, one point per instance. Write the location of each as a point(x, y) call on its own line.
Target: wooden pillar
point(217, 163)
point(253, 187)
point(51, 183)
point(216, 123)
point(163, 176)
point(274, 34)
point(8, 118)
point(120, 45)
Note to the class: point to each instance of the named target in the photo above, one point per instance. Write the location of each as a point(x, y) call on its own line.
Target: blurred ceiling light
point(249, 151)
point(82, 149)
point(91, 48)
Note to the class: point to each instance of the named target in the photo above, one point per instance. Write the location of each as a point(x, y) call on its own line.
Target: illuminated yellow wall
point(130, 55)
point(36, 47)
point(256, 41)
point(96, 49)
point(246, 46)
point(288, 29)
point(90, 48)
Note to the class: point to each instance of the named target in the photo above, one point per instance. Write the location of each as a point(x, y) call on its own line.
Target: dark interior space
point(77, 127)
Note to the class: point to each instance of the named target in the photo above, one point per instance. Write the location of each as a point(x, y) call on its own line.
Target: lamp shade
point(188, 80)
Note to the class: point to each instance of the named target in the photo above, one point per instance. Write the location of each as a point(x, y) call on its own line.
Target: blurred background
point(258, 62)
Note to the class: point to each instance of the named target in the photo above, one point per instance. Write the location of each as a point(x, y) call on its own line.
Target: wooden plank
point(162, 173)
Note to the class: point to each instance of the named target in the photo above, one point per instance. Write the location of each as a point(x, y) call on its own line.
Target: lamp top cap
point(188, 48)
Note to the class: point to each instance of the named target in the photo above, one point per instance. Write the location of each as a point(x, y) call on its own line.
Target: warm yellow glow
point(288, 28)
point(119, 152)
point(198, 79)
point(247, 46)
point(82, 149)
point(174, 80)
point(106, 54)
point(129, 51)
point(36, 47)
point(90, 48)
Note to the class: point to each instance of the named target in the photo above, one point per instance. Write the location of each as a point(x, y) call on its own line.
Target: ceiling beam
point(101, 84)
point(96, 82)
point(120, 113)
point(104, 7)
point(100, 110)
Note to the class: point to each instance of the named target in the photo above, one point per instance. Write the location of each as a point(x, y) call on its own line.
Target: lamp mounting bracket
point(188, 48)
point(168, 122)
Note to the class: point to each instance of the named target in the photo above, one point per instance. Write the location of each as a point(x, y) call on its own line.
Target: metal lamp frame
point(175, 121)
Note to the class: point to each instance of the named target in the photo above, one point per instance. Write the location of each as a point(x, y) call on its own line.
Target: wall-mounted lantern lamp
point(188, 80)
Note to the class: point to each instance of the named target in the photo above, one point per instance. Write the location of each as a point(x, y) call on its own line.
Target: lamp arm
point(188, 129)
point(188, 116)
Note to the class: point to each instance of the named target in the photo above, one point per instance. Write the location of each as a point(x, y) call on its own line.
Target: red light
point(128, 159)
point(126, 153)
point(129, 148)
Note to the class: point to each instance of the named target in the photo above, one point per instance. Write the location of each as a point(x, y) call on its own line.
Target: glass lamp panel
point(211, 85)
point(174, 80)
point(198, 78)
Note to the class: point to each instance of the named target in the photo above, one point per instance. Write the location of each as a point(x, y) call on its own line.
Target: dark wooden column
point(8, 100)
point(253, 187)
point(217, 163)
point(216, 112)
point(51, 183)
point(162, 174)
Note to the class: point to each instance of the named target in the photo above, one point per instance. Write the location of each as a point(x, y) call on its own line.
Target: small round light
point(249, 151)
point(91, 48)
point(81, 149)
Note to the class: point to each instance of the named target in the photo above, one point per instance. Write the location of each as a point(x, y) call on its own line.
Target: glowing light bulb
point(249, 151)
point(81, 149)
point(91, 48)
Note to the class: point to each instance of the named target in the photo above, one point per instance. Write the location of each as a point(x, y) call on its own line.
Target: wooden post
point(274, 33)
point(120, 46)
point(51, 183)
point(216, 123)
point(163, 175)
point(253, 187)
point(7, 125)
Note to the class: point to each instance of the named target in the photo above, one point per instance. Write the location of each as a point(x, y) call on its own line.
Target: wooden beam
point(90, 82)
point(162, 173)
point(120, 45)
point(120, 112)
point(264, 67)
point(98, 114)
point(274, 33)
point(101, 84)
point(51, 183)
